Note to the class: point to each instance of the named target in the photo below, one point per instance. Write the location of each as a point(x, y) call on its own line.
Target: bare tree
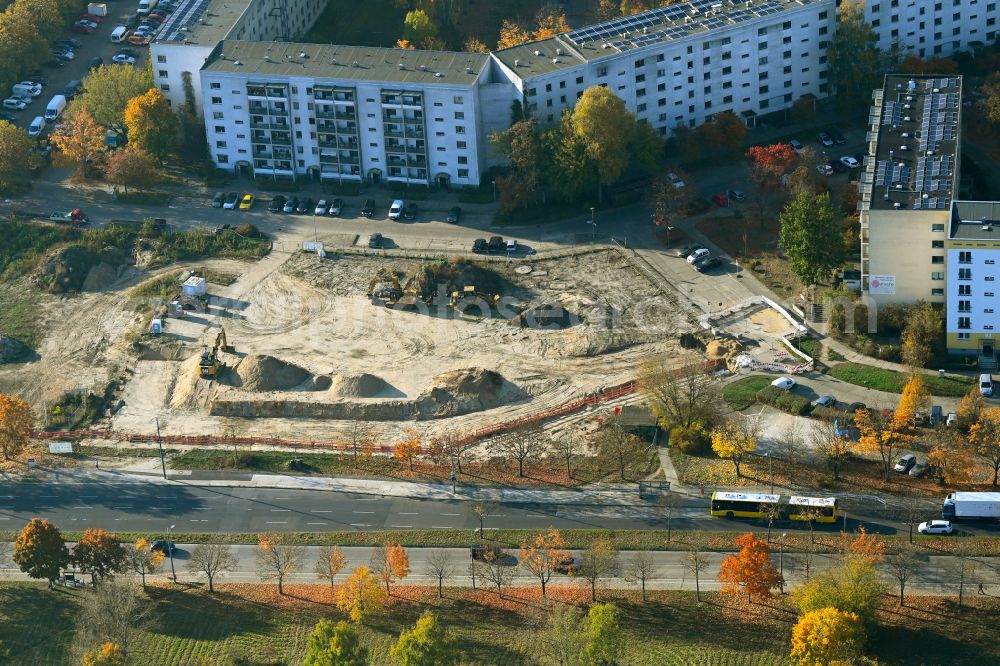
point(831, 444)
point(495, 570)
point(771, 512)
point(964, 568)
point(277, 558)
point(361, 439)
point(680, 396)
point(666, 503)
point(450, 444)
point(440, 566)
point(598, 561)
point(696, 563)
point(903, 564)
point(640, 568)
point(115, 612)
point(522, 445)
point(566, 445)
point(331, 562)
point(481, 510)
point(212, 559)
point(806, 561)
point(618, 447)
point(789, 443)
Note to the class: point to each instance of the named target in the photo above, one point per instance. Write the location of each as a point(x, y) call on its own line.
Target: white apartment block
point(932, 28)
point(972, 320)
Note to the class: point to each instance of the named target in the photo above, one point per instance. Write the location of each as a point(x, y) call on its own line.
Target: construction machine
point(468, 294)
point(208, 366)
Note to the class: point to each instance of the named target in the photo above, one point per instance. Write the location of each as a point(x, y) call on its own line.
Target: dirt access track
point(311, 352)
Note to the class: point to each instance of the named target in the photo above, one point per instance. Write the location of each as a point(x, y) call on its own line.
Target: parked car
point(855, 406)
point(16, 102)
point(83, 27)
point(937, 415)
point(736, 194)
point(825, 401)
point(161, 546)
point(720, 200)
point(675, 180)
point(784, 383)
point(824, 139)
point(849, 162)
point(454, 215)
point(231, 199)
point(566, 565)
point(479, 246)
point(72, 89)
point(218, 200)
point(375, 240)
point(484, 551)
point(336, 206)
point(277, 204)
point(95, 62)
point(837, 137)
point(697, 255)
point(321, 207)
point(707, 263)
point(919, 469)
point(688, 250)
point(905, 463)
point(935, 527)
point(495, 244)
point(369, 208)
point(28, 88)
point(796, 146)
point(290, 205)
point(93, 18)
point(305, 206)
point(952, 419)
point(396, 209)
point(37, 127)
point(511, 246)
point(410, 211)
point(837, 166)
point(123, 59)
point(247, 202)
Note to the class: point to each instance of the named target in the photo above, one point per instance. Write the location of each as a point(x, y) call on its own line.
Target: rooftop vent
point(517, 63)
point(907, 118)
point(402, 66)
point(937, 90)
point(303, 54)
point(237, 63)
point(558, 51)
point(909, 98)
point(903, 147)
point(556, 61)
point(905, 135)
point(355, 64)
point(897, 205)
point(468, 70)
point(912, 85)
point(423, 68)
point(605, 45)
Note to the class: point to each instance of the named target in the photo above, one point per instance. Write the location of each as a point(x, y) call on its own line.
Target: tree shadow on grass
point(204, 616)
point(37, 624)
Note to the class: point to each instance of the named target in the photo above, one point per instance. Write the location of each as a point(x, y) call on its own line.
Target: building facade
point(973, 279)
point(932, 28)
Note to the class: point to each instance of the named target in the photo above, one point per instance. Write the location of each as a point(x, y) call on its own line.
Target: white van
point(119, 35)
point(27, 88)
point(146, 6)
point(55, 108)
point(986, 385)
point(36, 127)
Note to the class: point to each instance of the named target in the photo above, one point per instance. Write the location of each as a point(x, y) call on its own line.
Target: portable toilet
point(156, 326)
point(194, 286)
point(175, 309)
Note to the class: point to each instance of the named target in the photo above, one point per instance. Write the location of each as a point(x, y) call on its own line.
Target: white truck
point(971, 506)
point(97, 9)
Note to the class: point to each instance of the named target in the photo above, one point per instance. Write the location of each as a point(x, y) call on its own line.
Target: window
point(990, 261)
point(457, 99)
point(963, 336)
point(937, 292)
point(937, 244)
point(937, 227)
point(460, 145)
point(964, 273)
point(964, 290)
point(163, 73)
point(459, 115)
point(965, 257)
point(602, 71)
point(459, 129)
point(222, 159)
point(579, 80)
point(165, 87)
point(548, 87)
point(639, 63)
point(463, 160)
point(216, 115)
point(220, 144)
point(532, 92)
point(964, 322)
point(965, 306)
point(219, 129)
point(763, 90)
point(937, 276)
point(937, 259)
point(463, 173)
point(216, 100)
point(162, 59)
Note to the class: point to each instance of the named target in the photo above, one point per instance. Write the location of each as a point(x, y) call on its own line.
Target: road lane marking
point(493, 515)
point(277, 522)
point(83, 507)
point(48, 496)
point(362, 512)
point(403, 527)
point(317, 523)
point(278, 498)
point(121, 507)
point(451, 514)
point(439, 527)
point(281, 510)
point(360, 525)
point(403, 513)
point(321, 511)
point(202, 508)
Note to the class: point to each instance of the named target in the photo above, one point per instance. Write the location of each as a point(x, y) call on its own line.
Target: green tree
point(923, 335)
point(335, 644)
point(603, 635)
point(151, 125)
point(854, 59)
point(851, 587)
point(568, 167)
point(40, 550)
point(15, 155)
point(426, 644)
point(107, 91)
point(810, 236)
point(417, 26)
point(605, 127)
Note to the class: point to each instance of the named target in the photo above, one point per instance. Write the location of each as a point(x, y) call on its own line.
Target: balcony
point(415, 132)
point(281, 140)
point(268, 125)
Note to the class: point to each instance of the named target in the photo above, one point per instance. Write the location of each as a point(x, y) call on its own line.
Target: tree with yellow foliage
point(109, 654)
point(827, 637)
point(512, 34)
point(151, 125)
point(915, 398)
point(277, 557)
point(404, 44)
point(551, 22)
point(543, 555)
point(331, 562)
point(733, 441)
point(985, 436)
point(361, 596)
point(142, 559)
point(475, 45)
point(408, 448)
point(880, 435)
point(750, 570)
point(969, 407)
point(16, 424)
point(390, 563)
point(77, 139)
point(951, 458)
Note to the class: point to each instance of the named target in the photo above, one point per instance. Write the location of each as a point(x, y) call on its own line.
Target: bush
point(827, 413)
point(693, 441)
point(786, 401)
point(248, 230)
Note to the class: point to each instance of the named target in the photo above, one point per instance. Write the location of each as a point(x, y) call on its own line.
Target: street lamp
point(170, 550)
point(592, 222)
point(781, 561)
point(494, 189)
point(159, 441)
point(770, 469)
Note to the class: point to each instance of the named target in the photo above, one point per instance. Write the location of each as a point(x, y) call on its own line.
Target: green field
point(893, 382)
point(742, 393)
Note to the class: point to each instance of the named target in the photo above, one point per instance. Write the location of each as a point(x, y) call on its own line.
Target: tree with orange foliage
point(404, 44)
point(76, 139)
point(952, 458)
point(331, 562)
point(544, 555)
point(985, 436)
point(880, 435)
point(551, 21)
point(750, 570)
point(360, 596)
point(109, 654)
point(915, 398)
point(40, 550)
point(512, 34)
point(408, 448)
point(390, 563)
point(475, 45)
point(16, 423)
point(99, 553)
point(866, 546)
point(770, 163)
point(142, 559)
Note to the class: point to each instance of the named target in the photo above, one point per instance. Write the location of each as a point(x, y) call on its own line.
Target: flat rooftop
point(916, 152)
point(975, 220)
point(361, 63)
point(628, 33)
point(201, 22)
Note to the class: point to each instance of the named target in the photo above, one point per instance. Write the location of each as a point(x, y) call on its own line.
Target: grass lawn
point(145, 198)
point(742, 393)
point(893, 382)
point(252, 624)
point(163, 286)
point(834, 355)
point(810, 345)
point(19, 313)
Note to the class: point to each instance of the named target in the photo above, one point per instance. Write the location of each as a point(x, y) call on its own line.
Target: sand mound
point(466, 390)
point(717, 350)
point(362, 385)
point(188, 385)
point(266, 373)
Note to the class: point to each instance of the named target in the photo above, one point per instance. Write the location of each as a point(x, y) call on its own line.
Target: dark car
point(479, 246)
point(96, 62)
point(484, 551)
point(375, 240)
point(290, 205)
point(736, 194)
point(336, 206)
point(566, 565)
point(218, 200)
point(688, 250)
point(369, 208)
point(73, 88)
point(305, 206)
point(824, 139)
point(162, 546)
point(132, 21)
point(277, 204)
point(837, 166)
point(71, 42)
point(410, 211)
point(454, 215)
point(837, 137)
point(496, 244)
point(709, 262)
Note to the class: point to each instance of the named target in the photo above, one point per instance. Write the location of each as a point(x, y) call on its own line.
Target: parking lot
point(93, 45)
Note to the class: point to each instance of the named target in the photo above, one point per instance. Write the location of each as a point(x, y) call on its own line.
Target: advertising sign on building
point(884, 285)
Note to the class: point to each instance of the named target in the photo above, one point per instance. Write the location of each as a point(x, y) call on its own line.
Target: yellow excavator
point(469, 294)
point(209, 365)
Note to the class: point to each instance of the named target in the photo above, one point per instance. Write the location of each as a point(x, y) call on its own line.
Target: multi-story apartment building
point(932, 28)
point(348, 113)
point(973, 280)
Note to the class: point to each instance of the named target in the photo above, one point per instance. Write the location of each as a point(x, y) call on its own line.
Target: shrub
point(786, 401)
point(248, 230)
point(692, 440)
